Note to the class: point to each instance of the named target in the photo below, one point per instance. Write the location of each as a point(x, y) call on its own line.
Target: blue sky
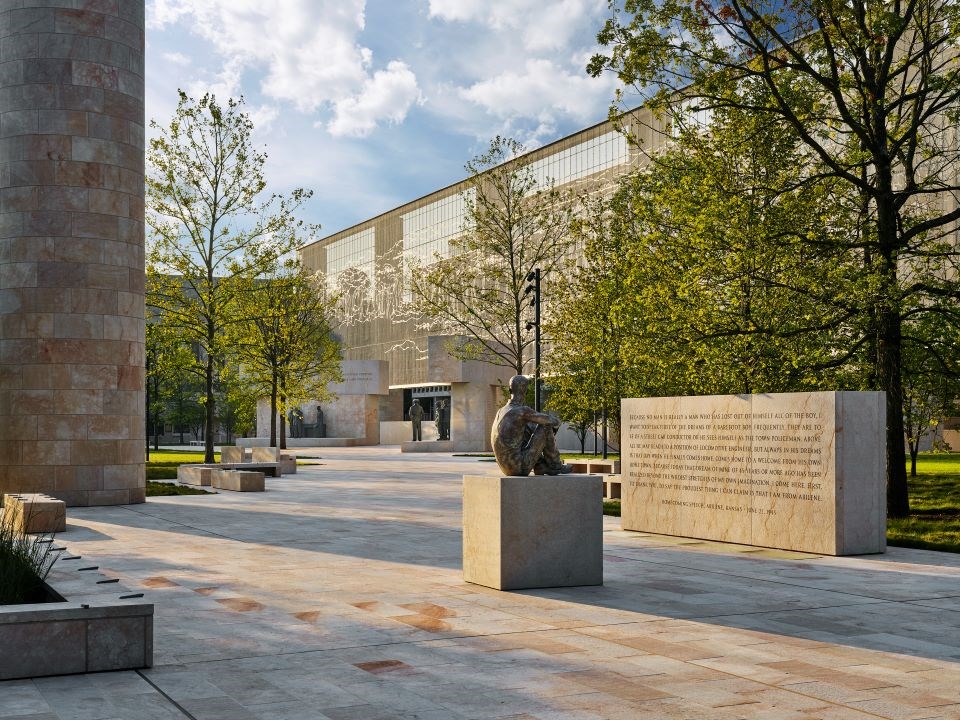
point(373, 104)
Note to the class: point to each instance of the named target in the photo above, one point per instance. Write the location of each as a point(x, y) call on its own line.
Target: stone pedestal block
point(532, 532)
point(264, 454)
point(239, 480)
point(195, 475)
point(604, 467)
point(34, 513)
point(613, 486)
point(234, 455)
point(72, 250)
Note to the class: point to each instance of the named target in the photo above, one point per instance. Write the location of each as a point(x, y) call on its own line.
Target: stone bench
point(287, 461)
point(202, 474)
point(234, 455)
point(195, 474)
point(605, 467)
point(581, 467)
point(612, 487)
point(239, 480)
point(35, 513)
point(265, 454)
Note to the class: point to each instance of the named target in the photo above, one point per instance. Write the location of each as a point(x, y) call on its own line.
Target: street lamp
point(533, 277)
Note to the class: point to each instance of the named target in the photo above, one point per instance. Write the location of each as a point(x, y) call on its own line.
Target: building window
point(427, 231)
point(354, 253)
point(591, 156)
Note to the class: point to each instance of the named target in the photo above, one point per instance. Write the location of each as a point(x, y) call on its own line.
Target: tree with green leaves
point(169, 364)
point(514, 223)
point(286, 349)
point(586, 368)
point(699, 275)
point(211, 223)
point(885, 80)
point(931, 380)
point(236, 403)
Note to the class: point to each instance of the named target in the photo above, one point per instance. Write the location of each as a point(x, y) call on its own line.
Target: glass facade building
point(368, 265)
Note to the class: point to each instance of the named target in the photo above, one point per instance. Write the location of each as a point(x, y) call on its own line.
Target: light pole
point(603, 395)
point(533, 277)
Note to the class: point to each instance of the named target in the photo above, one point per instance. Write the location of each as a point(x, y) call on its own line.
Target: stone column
point(71, 249)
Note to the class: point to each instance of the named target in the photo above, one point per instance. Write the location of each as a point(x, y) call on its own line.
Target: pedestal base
point(427, 446)
point(532, 532)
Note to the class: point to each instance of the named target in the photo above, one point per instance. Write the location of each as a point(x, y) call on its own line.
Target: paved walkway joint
point(338, 594)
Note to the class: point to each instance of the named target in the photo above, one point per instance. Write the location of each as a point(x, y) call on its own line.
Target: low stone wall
point(427, 446)
point(397, 432)
point(305, 442)
point(94, 629)
point(797, 471)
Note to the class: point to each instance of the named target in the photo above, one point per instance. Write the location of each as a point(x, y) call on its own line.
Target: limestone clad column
point(71, 249)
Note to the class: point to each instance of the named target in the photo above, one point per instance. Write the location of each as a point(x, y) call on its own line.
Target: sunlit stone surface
point(799, 471)
point(71, 249)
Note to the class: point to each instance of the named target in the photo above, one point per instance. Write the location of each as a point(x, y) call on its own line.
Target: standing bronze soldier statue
point(295, 422)
point(443, 420)
point(524, 439)
point(416, 417)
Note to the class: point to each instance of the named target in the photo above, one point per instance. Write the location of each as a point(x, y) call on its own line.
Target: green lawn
point(157, 489)
point(164, 463)
point(934, 521)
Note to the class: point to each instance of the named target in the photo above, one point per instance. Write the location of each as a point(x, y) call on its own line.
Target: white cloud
point(541, 89)
point(522, 71)
point(224, 84)
point(387, 95)
point(263, 117)
point(306, 50)
point(540, 26)
point(176, 58)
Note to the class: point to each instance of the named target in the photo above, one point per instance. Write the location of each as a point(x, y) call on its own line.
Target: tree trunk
point(914, 451)
point(273, 411)
point(889, 354)
point(210, 414)
point(283, 426)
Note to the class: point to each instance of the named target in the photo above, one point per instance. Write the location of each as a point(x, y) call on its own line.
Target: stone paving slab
point(338, 594)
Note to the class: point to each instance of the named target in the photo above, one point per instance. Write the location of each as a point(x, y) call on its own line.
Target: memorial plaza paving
point(338, 594)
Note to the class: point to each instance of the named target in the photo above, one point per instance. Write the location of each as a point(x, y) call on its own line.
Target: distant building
point(368, 263)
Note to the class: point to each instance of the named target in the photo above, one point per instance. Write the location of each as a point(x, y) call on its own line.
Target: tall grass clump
point(25, 562)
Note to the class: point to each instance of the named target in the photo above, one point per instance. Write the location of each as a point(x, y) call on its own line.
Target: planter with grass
point(59, 616)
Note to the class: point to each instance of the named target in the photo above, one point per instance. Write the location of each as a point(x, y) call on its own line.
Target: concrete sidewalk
point(338, 595)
